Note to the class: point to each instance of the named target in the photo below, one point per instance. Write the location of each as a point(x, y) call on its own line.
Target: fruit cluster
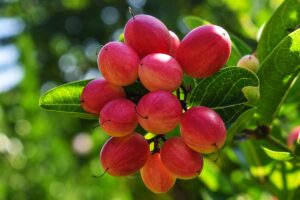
point(155, 57)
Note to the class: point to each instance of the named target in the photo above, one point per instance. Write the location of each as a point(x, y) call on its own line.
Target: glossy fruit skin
point(249, 62)
point(155, 175)
point(147, 34)
point(118, 118)
point(159, 112)
point(159, 71)
point(118, 63)
point(203, 130)
point(204, 51)
point(122, 156)
point(175, 42)
point(293, 136)
point(181, 160)
point(97, 93)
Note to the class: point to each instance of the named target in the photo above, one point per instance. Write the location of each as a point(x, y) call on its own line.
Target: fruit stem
point(276, 142)
point(131, 12)
point(94, 176)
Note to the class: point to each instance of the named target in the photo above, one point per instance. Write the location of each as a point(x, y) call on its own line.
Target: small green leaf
point(278, 155)
point(66, 98)
point(240, 124)
point(193, 22)
point(285, 20)
point(276, 75)
point(223, 92)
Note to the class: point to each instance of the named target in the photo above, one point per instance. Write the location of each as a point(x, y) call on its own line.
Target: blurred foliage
point(46, 155)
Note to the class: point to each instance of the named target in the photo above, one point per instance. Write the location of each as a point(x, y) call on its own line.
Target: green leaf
point(285, 20)
point(66, 98)
point(193, 22)
point(278, 155)
point(239, 48)
point(223, 92)
point(240, 124)
point(276, 76)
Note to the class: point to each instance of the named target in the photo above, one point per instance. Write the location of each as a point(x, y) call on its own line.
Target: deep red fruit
point(159, 71)
point(293, 136)
point(122, 156)
point(147, 34)
point(118, 63)
point(175, 42)
point(159, 112)
point(179, 159)
point(97, 93)
point(203, 129)
point(155, 175)
point(118, 118)
point(204, 51)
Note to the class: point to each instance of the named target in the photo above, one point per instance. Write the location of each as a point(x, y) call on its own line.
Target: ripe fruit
point(293, 137)
point(175, 42)
point(179, 159)
point(249, 62)
point(147, 34)
point(118, 63)
point(204, 51)
point(118, 118)
point(156, 176)
point(159, 71)
point(97, 93)
point(159, 112)
point(121, 156)
point(202, 129)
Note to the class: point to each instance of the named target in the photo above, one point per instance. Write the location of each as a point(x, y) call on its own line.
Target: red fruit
point(175, 42)
point(147, 34)
point(118, 63)
point(203, 129)
point(159, 112)
point(159, 71)
point(179, 159)
point(118, 118)
point(122, 156)
point(204, 51)
point(155, 175)
point(293, 137)
point(97, 93)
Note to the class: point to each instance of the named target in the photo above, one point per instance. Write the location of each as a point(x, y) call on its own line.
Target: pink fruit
point(159, 71)
point(122, 156)
point(97, 93)
point(293, 137)
point(204, 51)
point(203, 129)
point(118, 63)
point(147, 34)
point(175, 42)
point(155, 175)
point(118, 118)
point(159, 112)
point(249, 62)
point(179, 159)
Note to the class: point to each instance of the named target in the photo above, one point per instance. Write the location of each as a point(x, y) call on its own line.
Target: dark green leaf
point(276, 76)
point(278, 155)
point(240, 124)
point(284, 21)
point(66, 98)
point(223, 92)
